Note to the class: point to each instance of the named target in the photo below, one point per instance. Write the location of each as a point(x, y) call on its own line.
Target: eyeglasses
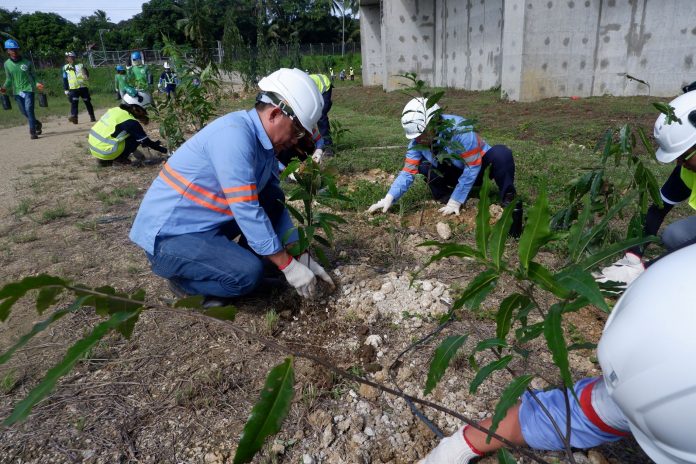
point(297, 127)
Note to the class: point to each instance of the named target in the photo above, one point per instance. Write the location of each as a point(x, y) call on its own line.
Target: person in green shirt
point(139, 74)
point(20, 76)
point(120, 82)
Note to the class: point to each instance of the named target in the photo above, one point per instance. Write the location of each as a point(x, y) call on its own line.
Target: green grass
point(118, 195)
point(54, 213)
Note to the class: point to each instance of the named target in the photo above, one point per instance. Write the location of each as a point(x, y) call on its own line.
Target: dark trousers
point(211, 263)
point(443, 179)
point(74, 96)
point(323, 122)
point(131, 145)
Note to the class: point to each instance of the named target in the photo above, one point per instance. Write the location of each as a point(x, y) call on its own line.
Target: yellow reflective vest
point(75, 75)
point(102, 143)
point(689, 178)
point(323, 83)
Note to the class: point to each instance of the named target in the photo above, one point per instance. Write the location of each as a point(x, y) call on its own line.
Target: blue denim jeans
point(26, 107)
point(211, 263)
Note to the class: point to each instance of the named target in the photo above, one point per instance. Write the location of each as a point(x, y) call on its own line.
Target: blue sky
point(73, 10)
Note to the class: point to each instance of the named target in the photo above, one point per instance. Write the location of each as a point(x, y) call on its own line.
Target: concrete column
point(371, 43)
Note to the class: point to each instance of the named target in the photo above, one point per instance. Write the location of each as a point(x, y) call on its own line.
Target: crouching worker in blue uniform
point(222, 185)
point(119, 132)
point(467, 157)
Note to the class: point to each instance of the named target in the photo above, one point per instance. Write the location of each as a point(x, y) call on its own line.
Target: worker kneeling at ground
point(222, 184)
point(648, 387)
point(467, 156)
point(676, 143)
point(118, 133)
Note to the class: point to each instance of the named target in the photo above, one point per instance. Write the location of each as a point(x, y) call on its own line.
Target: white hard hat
point(647, 354)
point(71, 54)
point(416, 116)
point(674, 139)
point(141, 99)
point(166, 65)
point(297, 90)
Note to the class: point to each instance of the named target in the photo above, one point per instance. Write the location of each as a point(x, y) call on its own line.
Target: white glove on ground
point(451, 450)
point(385, 203)
point(301, 277)
point(316, 156)
point(625, 270)
point(67, 92)
point(316, 268)
point(452, 207)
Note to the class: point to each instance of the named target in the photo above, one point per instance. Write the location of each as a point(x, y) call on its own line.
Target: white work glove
point(316, 156)
point(67, 92)
point(316, 268)
point(625, 270)
point(451, 450)
point(385, 203)
point(301, 278)
point(452, 207)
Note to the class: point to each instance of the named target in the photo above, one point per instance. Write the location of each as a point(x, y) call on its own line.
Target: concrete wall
point(371, 44)
point(534, 48)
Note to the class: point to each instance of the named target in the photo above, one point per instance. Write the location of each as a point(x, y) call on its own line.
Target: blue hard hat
point(136, 56)
point(120, 68)
point(10, 43)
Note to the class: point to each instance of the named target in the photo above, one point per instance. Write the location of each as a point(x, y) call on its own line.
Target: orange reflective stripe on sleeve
point(241, 193)
point(473, 156)
point(191, 186)
point(411, 166)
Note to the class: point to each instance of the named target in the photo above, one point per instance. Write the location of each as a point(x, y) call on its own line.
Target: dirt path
point(18, 150)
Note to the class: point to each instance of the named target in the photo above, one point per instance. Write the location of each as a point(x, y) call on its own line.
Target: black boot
point(32, 134)
point(38, 127)
point(517, 215)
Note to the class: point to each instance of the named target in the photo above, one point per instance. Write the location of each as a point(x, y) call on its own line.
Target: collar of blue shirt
point(260, 131)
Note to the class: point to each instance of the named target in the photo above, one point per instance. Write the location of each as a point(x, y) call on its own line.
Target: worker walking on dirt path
point(351, 73)
point(119, 132)
point(646, 390)
point(676, 143)
point(121, 82)
point(467, 157)
point(221, 185)
point(168, 81)
point(139, 75)
point(324, 144)
point(75, 78)
point(21, 78)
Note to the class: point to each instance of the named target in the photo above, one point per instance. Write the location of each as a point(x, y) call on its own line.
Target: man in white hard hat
point(466, 157)
point(75, 80)
point(168, 81)
point(119, 132)
point(676, 144)
point(648, 386)
point(222, 185)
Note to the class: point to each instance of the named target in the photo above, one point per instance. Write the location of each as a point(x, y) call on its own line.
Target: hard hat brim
point(666, 157)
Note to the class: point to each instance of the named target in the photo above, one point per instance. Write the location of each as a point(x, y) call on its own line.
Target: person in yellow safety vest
point(75, 78)
point(351, 73)
point(332, 75)
point(118, 133)
point(323, 145)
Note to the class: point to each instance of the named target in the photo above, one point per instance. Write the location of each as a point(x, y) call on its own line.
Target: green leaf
point(577, 229)
point(441, 359)
point(613, 249)
point(505, 457)
point(553, 332)
point(536, 232)
point(322, 241)
point(582, 346)
point(290, 168)
point(483, 216)
point(487, 370)
point(541, 276)
point(224, 313)
point(269, 412)
point(499, 235)
point(39, 327)
point(529, 332)
point(13, 291)
point(477, 290)
point(74, 354)
point(490, 343)
point(450, 249)
point(47, 297)
point(589, 236)
point(191, 302)
point(506, 313)
point(582, 282)
point(508, 399)
point(298, 216)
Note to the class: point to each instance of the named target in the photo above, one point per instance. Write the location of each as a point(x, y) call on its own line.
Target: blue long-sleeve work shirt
point(465, 150)
point(212, 179)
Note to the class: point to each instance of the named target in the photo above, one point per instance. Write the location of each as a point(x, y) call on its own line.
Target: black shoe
point(517, 217)
point(92, 118)
point(73, 119)
point(208, 301)
point(33, 136)
point(177, 290)
point(39, 127)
